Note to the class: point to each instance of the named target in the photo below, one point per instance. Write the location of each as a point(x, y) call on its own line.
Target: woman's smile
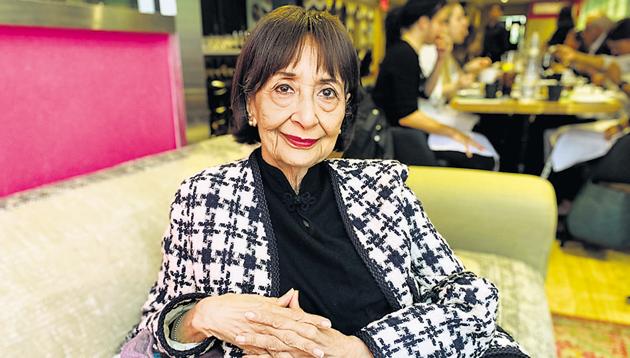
point(299, 142)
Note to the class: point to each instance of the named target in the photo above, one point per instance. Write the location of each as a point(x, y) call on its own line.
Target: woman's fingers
point(295, 301)
point(267, 342)
point(305, 330)
point(267, 355)
point(273, 344)
point(279, 317)
point(285, 300)
point(253, 350)
point(296, 340)
point(468, 152)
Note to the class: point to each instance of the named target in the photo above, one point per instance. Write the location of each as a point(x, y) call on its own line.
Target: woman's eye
point(284, 89)
point(329, 93)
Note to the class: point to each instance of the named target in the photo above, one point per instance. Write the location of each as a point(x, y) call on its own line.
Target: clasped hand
point(272, 327)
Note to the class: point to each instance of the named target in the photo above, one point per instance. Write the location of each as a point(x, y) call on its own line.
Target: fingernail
point(250, 315)
point(240, 339)
point(326, 323)
point(318, 352)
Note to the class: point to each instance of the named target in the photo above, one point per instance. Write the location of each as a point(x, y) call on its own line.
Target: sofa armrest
point(511, 215)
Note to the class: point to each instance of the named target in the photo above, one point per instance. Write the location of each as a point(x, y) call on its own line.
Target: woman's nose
point(305, 113)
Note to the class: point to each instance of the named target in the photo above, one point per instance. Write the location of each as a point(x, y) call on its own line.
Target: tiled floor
point(588, 284)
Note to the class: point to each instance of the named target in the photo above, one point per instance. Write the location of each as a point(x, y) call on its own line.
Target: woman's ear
point(248, 105)
point(251, 116)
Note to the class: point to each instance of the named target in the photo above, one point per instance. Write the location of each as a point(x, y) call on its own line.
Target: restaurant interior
point(517, 144)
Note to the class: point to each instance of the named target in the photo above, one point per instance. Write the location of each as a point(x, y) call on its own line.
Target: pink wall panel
point(74, 101)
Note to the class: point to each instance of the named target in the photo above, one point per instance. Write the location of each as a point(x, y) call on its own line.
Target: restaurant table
point(531, 109)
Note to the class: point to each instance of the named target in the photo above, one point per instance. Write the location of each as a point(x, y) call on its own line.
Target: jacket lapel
point(366, 196)
point(265, 230)
point(241, 256)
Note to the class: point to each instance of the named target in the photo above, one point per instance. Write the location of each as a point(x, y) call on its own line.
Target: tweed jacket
point(220, 240)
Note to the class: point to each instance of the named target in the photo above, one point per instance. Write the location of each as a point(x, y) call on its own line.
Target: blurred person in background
point(496, 38)
point(452, 78)
point(564, 26)
point(574, 39)
point(613, 71)
point(473, 44)
point(401, 82)
point(601, 68)
point(619, 43)
point(586, 64)
point(595, 33)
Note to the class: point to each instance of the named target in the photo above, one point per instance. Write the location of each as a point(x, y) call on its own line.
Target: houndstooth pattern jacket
point(220, 240)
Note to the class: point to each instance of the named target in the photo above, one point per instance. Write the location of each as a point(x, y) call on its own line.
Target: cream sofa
point(79, 257)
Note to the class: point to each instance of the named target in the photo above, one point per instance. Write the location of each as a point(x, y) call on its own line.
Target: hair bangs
point(288, 39)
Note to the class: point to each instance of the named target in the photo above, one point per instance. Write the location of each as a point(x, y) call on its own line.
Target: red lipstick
point(300, 142)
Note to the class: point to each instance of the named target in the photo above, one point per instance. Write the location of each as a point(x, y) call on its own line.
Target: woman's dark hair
point(565, 24)
point(402, 17)
point(275, 43)
point(620, 31)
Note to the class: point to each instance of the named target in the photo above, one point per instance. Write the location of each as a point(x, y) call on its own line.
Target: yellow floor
point(587, 284)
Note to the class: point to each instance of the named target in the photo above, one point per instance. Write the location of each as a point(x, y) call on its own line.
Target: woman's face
point(458, 25)
point(298, 112)
point(437, 25)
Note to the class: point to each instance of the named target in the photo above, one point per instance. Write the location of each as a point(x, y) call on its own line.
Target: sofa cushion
point(523, 310)
point(78, 257)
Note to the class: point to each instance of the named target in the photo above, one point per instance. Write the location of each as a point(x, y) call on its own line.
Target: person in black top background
point(565, 25)
point(496, 39)
point(400, 81)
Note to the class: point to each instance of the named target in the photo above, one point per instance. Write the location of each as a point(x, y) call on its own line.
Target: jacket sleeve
point(175, 286)
point(455, 311)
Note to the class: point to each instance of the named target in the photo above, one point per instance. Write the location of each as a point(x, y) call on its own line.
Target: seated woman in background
point(401, 82)
point(286, 253)
point(565, 25)
point(451, 79)
point(614, 71)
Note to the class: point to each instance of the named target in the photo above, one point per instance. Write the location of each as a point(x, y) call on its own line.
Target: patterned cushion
point(523, 310)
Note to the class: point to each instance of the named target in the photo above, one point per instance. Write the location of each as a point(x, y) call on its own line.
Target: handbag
point(600, 215)
point(372, 138)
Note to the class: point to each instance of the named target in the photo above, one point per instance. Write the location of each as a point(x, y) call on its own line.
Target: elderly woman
point(286, 253)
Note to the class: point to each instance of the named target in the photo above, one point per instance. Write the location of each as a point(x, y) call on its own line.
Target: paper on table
point(448, 116)
point(442, 143)
point(579, 144)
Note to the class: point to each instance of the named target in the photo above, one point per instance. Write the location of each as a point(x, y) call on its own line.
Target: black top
point(496, 41)
point(400, 82)
point(315, 253)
